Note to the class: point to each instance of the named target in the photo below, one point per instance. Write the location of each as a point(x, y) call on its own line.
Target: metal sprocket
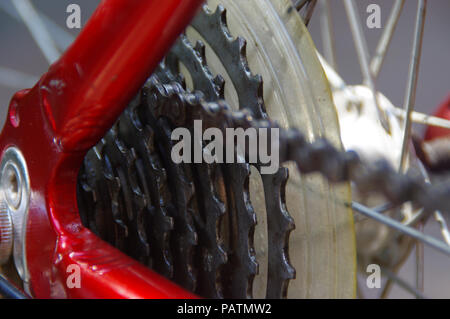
point(221, 267)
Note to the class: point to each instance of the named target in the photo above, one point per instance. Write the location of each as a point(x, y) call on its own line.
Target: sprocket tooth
point(200, 49)
point(130, 196)
point(99, 212)
point(160, 226)
point(280, 224)
point(194, 59)
point(219, 81)
point(121, 227)
point(212, 209)
point(232, 53)
point(242, 267)
point(182, 244)
point(87, 205)
point(239, 46)
point(220, 17)
point(151, 178)
point(257, 86)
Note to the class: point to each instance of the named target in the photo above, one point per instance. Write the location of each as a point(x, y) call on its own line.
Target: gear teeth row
point(130, 196)
point(105, 190)
point(95, 195)
point(242, 267)
point(119, 218)
point(239, 272)
point(212, 87)
point(243, 264)
point(320, 156)
point(153, 180)
point(279, 224)
point(235, 61)
point(182, 187)
point(232, 53)
point(210, 184)
point(226, 267)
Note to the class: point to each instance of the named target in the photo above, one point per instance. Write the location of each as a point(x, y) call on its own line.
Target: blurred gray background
point(19, 52)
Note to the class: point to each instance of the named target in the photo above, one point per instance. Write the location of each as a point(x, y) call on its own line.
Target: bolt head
point(11, 183)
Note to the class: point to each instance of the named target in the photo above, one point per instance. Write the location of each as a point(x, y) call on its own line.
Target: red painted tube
point(68, 111)
point(86, 90)
point(434, 132)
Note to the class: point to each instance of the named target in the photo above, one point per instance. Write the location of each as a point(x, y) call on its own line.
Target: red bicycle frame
point(60, 118)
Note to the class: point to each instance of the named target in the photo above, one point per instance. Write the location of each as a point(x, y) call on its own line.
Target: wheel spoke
point(363, 57)
point(62, 38)
point(443, 225)
point(326, 27)
point(422, 118)
point(410, 95)
point(337, 83)
point(392, 277)
point(386, 37)
point(38, 30)
point(299, 4)
point(383, 207)
point(437, 214)
point(414, 233)
point(309, 11)
point(16, 79)
point(386, 289)
point(310, 5)
point(420, 262)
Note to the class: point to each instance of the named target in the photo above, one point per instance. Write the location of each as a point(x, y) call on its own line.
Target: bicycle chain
point(170, 101)
point(318, 156)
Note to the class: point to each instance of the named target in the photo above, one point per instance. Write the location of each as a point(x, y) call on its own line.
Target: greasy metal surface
point(241, 265)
